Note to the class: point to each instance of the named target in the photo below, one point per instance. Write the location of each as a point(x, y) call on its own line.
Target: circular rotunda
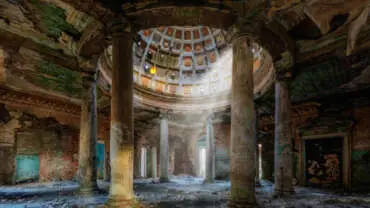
point(186, 68)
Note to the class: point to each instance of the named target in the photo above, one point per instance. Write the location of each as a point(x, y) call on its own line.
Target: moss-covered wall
point(320, 78)
point(54, 19)
point(55, 146)
point(58, 79)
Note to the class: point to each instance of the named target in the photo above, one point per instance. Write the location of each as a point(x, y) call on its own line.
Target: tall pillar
point(283, 138)
point(137, 159)
point(259, 162)
point(258, 184)
point(107, 158)
point(87, 169)
point(243, 145)
point(154, 161)
point(164, 157)
point(210, 160)
point(121, 193)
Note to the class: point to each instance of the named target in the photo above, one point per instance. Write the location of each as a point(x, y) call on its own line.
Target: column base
point(114, 202)
point(207, 181)
point(240, 203)
point(88, 190)
point(258, 183)
point(164, 180)
point(281, 192)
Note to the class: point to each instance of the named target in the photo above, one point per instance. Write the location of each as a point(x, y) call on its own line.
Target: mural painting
point(324, 162)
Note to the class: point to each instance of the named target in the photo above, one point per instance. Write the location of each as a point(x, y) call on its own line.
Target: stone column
point(210, 160)
point(121, 193)
point(164, 157)
point(243, 145)
point(259, 162)
point(137, 159)
point(258, 184)
point(283, 137)
point(154, 161)
point(107, 158)
point(87, 170)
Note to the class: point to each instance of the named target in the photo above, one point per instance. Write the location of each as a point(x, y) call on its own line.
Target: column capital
point(243, 28)
point(164, 113)
point(210, 118)
point(121, 26)
point(87, 80)
point(283, 67)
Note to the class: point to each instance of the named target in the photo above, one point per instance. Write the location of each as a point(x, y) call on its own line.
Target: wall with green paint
point(54, 19)
point(35, 148)
point(58, 79)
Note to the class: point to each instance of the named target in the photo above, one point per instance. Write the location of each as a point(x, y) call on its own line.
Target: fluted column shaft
point(121, 193)
point(164, 157)
point(283, 139)
point(210, 160)
point(243, 145)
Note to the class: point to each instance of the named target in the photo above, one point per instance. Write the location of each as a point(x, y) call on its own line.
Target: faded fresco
point(324, 162)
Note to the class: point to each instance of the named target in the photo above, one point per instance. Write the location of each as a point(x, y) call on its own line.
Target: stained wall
point(55, 147)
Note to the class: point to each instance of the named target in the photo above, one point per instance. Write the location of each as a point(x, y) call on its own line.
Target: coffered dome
point(181, 60)
point(187, 63)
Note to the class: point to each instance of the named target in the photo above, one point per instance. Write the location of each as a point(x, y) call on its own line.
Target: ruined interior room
point(184, 104)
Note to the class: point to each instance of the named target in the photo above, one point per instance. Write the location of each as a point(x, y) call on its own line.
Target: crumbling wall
point(59, 162)
point(361, 150)
point(9, 124)
point(181, 159)
point(55, 146)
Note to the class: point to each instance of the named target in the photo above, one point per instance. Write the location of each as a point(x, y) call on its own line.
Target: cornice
point(300, 114)
point(55, 108)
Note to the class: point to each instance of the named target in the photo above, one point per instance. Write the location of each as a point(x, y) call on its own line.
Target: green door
point(100, 152)
point(27, 168)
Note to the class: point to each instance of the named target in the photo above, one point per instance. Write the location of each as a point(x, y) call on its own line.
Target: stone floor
point(181, 192)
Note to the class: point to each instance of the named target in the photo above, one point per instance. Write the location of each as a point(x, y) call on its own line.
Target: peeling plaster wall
point(361, 150)
point(9, 123)
point(184, 145)
point(55, 145)
point(181, 160)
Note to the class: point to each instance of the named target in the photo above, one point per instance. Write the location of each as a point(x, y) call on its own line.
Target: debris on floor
point(180, 192)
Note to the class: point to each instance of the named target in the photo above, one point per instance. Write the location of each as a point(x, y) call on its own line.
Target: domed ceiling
point(187, 62)
point(182, 59)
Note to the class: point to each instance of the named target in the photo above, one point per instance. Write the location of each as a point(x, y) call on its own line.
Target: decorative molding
point(53, 107)
point(300, 116)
